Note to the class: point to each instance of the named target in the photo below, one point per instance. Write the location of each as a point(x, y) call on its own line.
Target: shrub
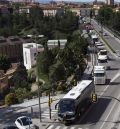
point(59, 88)
point(10, 99)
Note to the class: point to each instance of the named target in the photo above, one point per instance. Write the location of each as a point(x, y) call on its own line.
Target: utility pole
point(39, 94)
point(49, 104)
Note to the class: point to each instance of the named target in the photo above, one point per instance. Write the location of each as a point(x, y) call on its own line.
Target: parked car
point(25, 122)
point(10, 127)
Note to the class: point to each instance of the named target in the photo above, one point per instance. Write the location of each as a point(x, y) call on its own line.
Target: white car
point(24, 122)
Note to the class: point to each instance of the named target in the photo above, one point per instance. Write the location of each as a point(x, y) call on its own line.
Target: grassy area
point(107, 43)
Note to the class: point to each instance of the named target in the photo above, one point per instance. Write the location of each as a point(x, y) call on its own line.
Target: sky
point(73, 0)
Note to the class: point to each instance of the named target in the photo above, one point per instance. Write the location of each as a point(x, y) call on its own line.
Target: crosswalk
point(53, 126)
point(46, 114)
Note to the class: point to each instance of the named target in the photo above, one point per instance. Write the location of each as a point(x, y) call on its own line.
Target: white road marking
point(115, 77)
point(50, 127)
point(64, 127)
point(109, 112)
point(72, 128)
point(58, 127)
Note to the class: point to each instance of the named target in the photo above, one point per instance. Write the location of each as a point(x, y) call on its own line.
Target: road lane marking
point(50, 127)
point(72, 128)
point(64, 127)
point(110, 112)
point(115, 77)
point(58, 127)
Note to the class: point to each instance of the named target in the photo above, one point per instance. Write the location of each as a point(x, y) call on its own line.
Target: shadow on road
point(114, 83)
point(94, 114)
point(113, 69)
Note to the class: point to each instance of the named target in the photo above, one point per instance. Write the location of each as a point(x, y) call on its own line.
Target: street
point(105, 114)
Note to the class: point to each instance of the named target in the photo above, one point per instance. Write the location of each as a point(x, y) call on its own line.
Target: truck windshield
point(66, 105)
point(103, 53)
point(99, 74)
point(102, 61)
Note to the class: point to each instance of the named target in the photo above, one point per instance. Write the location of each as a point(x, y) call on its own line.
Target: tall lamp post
point(37, 79)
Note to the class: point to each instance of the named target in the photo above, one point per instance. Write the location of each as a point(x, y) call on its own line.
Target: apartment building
point(76, 11)
point(30, 51)
point(52, 11)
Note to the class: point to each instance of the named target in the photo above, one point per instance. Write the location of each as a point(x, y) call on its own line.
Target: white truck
point(99, 75)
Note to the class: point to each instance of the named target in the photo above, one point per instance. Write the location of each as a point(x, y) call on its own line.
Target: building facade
point(52, 11)
point(29, 54)
point(110, 2)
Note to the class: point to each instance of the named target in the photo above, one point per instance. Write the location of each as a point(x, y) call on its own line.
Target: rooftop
point(77, 90)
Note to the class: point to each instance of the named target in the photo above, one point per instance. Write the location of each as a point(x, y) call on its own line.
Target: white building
point(110, 2)
point(30, 51)
point(54, 43)
point(29, 54)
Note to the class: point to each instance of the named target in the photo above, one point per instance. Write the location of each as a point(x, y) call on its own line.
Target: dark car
point(10, 127)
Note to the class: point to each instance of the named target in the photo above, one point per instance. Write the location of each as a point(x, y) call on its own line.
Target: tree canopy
point(4, 63)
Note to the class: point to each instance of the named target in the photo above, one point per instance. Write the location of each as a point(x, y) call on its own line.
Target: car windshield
point(66, 106)
point(26, 121)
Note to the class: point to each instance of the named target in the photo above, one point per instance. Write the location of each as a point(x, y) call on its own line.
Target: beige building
point(52, 11)
point(76, 11)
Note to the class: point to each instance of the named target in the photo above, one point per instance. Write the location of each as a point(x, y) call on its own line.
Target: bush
point(59, 88)
point(10, 99)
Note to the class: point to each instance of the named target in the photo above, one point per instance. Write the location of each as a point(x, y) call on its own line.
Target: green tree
point(19, 78)
point(42, 63)
point(104, 15)
point(21, 93)
point(36, 15)
point(57, 72)
point(4, 63)
point(10, 99)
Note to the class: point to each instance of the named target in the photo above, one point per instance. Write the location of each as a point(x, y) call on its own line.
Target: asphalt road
point(105, 114)
point(113, 41)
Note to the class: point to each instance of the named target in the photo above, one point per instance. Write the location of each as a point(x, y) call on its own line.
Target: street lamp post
point(39, 94)
point(37, 79)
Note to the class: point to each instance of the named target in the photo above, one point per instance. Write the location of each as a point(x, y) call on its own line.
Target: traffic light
point(94, 98)
point(50, 101)
point(74, 82)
